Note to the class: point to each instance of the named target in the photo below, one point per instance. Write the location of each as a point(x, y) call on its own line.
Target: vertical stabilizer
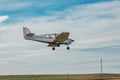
point(27, 33)
point(26, 30)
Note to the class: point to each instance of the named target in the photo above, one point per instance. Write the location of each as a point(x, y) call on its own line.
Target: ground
point(63, 77)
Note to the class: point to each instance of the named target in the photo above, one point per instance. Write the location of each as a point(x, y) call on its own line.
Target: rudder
point(27, 33)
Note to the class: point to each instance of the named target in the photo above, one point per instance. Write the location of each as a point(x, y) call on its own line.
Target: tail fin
point(27, 33)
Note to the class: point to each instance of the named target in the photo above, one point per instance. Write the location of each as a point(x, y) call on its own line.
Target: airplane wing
point(59, 39)
point(62, 37)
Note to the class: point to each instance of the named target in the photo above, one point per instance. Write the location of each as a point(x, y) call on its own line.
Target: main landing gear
point(53, 48)
point(67, 48)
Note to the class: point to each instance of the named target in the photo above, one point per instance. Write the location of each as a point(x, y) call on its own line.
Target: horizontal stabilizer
point(27, 33)
point(30, 34)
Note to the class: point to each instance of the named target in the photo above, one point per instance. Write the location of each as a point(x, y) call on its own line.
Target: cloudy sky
point(93, 24)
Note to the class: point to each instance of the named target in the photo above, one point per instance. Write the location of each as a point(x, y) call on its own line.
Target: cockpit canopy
point(51, 35)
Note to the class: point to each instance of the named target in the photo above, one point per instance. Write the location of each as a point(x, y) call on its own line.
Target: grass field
point(63, 77)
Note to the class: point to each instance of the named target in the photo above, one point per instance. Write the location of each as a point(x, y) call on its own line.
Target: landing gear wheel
point(53, 48)
point(68, 48)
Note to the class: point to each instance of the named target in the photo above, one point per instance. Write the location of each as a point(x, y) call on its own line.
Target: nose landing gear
point(68, 48)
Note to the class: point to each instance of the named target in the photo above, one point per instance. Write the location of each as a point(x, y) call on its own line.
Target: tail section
point(27, 33)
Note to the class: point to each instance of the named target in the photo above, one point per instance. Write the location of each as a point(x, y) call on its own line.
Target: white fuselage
point(43, 38)
point(47, 39)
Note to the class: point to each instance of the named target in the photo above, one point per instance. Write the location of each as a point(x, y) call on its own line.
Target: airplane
point(53, 40)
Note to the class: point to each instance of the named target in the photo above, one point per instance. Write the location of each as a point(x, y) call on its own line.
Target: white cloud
point(3, 28)
point(3, 18)
point(16, 5)
point(12, 5)
point(86, 21)
point(91, 24)
point(3, 52)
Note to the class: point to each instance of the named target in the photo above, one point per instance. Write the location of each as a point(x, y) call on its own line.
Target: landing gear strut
point(68, 47)
point(53, 48)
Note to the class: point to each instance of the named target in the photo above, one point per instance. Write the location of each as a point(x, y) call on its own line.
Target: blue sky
point(93, 24)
